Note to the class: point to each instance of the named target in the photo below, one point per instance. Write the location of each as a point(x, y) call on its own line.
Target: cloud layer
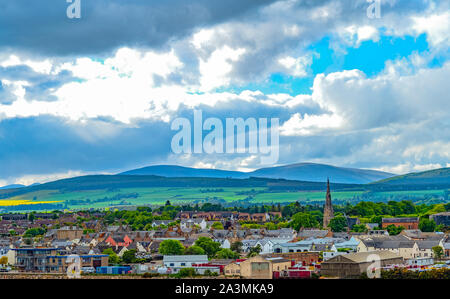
point(98, 94)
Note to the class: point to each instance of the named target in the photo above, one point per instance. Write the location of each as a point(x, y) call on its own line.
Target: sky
point(98, 94)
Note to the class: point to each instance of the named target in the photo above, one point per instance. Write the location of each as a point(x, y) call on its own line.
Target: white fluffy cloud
point(396, 120)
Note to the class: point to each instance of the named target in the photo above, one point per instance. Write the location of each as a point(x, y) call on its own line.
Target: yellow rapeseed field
point(18, 202)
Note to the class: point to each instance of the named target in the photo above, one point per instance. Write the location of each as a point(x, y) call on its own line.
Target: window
point(183, 264)
point(260, 266)
point(172, 264)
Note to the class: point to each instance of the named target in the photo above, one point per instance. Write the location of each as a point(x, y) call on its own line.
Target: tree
point(338, 224)
point(359, 228)
point(254, 251)
point(129, 256)
point(217, 225)
point(236, 246)
point(427, 225)
point(208, 245)
point(226, 253)
point(394, 230)
point(303, 220)
point(187, 272)
point(4, 260)
point(34, 232)
point(194, 250)
point(113, 258)
point(438, 252)
point(171, 247)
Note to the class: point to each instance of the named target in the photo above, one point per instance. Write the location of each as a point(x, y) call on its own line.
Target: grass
point(302, 196)
point(159, 195)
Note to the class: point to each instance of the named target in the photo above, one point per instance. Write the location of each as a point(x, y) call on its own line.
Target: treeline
point(40, 206)
point(116, 197)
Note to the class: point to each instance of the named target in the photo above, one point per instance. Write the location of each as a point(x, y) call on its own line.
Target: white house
point(224, 243)
point(190, 223)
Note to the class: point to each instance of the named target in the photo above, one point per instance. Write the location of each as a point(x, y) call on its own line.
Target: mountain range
point(310, 172)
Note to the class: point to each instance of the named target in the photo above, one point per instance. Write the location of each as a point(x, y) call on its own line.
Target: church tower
point(328, 212)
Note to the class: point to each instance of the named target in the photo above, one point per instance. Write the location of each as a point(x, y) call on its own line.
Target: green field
point(105, 198)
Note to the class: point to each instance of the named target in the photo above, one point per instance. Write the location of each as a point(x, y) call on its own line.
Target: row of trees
point(202, 246)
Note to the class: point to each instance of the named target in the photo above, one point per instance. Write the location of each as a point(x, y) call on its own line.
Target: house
point(183, 261)
point(244, 216)
point(192, 223)
point(292, 247)
point(44, 216)
point(33, 259)
point(441, 218)
point(60, 263)
point(14, 217)
point(259, 217)
point(224, 243)
point(94, 225)
point(378, 233)
point(417, 234)
point(313, 233)
point(447, 250)
point(332, 253)
point(352, 265)
point(406, 222)
point(69, 233)
point(400, 245)
point(280, 235)
point(351, 244)
point(118, 240)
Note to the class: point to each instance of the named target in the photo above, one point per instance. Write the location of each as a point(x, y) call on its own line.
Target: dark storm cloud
point(40, 85)
point(48, 144)
point(42, 26)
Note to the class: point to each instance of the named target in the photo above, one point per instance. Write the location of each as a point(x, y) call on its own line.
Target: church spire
point(328, 212)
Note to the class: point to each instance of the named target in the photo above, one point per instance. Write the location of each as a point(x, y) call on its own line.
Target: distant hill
point(13, 186)
point(320, 172)
point(433, 177)
point(180, 171)
point(310, 172)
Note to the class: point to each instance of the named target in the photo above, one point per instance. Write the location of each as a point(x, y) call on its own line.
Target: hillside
point(310, 172)
point(433, 177)
point(114, 182)
point(13, 186)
